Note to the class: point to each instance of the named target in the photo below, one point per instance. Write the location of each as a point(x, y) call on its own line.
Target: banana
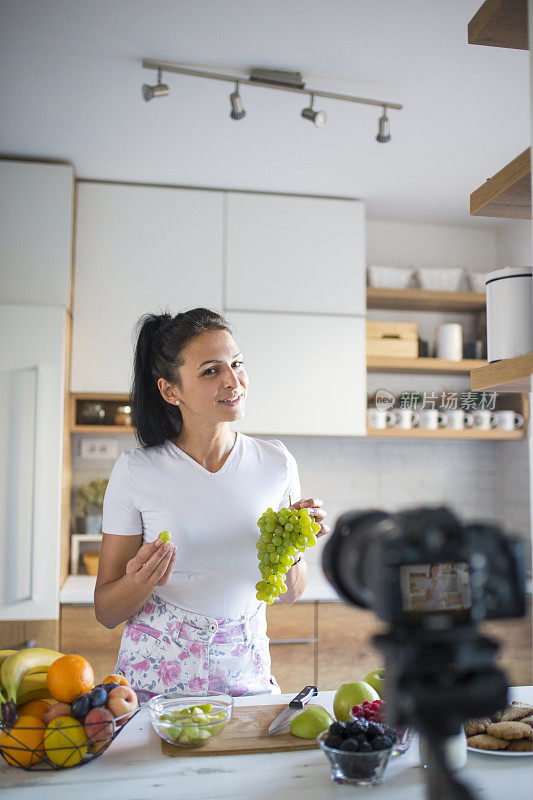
point(15, 667)
point(32, 687)
point(5, 653)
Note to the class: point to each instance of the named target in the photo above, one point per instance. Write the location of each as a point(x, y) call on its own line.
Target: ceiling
point(70, 88)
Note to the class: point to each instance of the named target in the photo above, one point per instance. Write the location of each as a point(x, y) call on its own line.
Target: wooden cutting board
point(246, 732)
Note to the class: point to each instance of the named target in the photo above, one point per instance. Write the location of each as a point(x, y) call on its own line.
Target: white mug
point(508, 420)
point(380, 418)
point(431, 419)
point(458, 419)
point(483, 420)
point(406, 418)
point(450, 341)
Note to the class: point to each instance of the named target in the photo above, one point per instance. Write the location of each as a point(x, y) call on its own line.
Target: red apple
point(122, 700)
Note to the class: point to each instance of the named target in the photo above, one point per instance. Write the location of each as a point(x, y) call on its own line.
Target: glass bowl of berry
point(376, 712)
point(358, 751)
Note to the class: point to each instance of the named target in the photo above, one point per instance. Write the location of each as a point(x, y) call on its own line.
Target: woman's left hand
point(317, 513)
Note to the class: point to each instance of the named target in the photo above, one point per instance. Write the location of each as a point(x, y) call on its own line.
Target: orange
point(68, 677)
point(117, 678)
point(34, 708)
point(22, 745)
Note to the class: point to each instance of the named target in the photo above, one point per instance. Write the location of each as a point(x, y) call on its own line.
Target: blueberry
point(98, 696)
point(350, 746)
point(338, 728)
point(81, 706)
point(334, 740)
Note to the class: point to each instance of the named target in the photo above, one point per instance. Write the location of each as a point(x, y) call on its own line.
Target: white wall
point(513, 243)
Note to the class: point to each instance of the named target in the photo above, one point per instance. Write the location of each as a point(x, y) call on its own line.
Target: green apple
point(311, 722)
point(376, 679)
point(349, 695)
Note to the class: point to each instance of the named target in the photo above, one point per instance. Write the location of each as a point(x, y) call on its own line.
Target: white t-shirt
point(212, 517)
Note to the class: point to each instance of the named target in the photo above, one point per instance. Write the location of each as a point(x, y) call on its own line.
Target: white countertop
point(80, 589)
point(134, 768)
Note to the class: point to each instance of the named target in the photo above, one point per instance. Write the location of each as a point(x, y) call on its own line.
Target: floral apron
point(166, 648)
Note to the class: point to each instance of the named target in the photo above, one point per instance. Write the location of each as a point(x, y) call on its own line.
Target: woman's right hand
point(152, 565)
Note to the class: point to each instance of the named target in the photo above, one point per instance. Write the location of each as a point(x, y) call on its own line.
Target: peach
point(116, 678)
point(95, 748)
point(122, 700)
point(99, 725)
point(56, 710)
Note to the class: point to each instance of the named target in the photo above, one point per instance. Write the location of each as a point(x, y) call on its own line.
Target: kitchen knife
point(283, 720)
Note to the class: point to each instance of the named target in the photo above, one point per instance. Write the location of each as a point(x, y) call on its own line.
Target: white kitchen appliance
point(509, 313)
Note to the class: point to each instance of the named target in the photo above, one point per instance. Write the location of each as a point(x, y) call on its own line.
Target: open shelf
point(508, 193)
point(431, 365)
point(424, 300)
point(444, 433)
point(500, 23)
point(508, 375)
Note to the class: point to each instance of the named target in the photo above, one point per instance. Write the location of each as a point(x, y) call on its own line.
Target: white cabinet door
point(32, 391)
point(36, 208)
point(295, 254)
point(307, 373)
point(139, 249)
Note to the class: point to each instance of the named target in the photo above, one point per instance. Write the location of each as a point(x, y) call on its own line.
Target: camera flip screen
point(440, 588)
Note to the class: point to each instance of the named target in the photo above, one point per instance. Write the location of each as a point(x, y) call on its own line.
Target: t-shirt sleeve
point(121, 516)
point(291, 481)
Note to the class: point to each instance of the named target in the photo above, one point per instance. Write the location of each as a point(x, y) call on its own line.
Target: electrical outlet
point(98, 448)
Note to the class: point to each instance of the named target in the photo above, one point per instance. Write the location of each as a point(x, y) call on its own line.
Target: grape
point(282, 535)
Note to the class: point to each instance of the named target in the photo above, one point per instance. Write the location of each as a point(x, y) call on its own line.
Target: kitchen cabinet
point(36, 220)
point(307, 373)
point(293, 644)
point(81, 633)
point(287, 253)
point(139, 249)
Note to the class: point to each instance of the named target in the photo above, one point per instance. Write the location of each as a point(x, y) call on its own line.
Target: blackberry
point(350, 746)
point(338, 728)
point(365, 746)
point(376, 729)
point(380, 743)
point(334, 740)
point(357, 726)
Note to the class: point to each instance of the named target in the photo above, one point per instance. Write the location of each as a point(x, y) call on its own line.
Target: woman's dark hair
point(161, 341)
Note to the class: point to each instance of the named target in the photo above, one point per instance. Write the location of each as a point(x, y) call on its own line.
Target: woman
point(193, 621)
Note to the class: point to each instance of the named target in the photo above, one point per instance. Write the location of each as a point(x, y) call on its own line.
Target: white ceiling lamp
point(159, 90)
point(317, 117)
point(264, 78)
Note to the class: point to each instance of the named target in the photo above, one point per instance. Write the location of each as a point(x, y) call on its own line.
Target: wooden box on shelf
point(393, 339)
point(101, 413)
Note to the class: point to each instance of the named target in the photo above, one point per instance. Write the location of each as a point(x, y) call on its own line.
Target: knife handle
point(303, 697)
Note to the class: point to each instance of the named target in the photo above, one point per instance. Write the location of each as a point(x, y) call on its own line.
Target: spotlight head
point(318, 118)
point(237, 108)
point(159, 90)
point(383, 128)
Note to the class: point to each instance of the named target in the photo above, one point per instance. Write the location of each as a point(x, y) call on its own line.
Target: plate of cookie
point(508, 732)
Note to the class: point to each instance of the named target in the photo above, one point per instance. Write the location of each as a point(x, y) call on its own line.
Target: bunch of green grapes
point(283, 535)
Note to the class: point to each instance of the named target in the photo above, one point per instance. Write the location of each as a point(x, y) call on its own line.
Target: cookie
point(527, 720)
point(483, 742)
point(516, 711)
point(473, 726)
point(520, 746)
point(509, 730)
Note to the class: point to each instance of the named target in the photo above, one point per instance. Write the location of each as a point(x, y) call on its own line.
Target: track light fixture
point(237, 108)
point(281, 80)
point(317, 117)
point(383, 128)
point(159, 90)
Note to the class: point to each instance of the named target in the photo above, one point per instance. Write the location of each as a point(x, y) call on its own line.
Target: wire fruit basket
point(64, 746)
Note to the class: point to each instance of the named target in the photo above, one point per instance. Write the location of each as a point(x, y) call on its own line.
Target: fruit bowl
point(362, 769)
point(189, 720)
point(31, 747)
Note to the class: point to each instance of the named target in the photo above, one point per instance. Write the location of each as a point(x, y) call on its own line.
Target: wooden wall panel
point(14, 634)
point(82, 634)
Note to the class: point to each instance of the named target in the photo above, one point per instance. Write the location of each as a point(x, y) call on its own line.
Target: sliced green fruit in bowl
point(186, 721)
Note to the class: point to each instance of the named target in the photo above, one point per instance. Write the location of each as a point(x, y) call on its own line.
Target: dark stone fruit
point(365, 746)
point(357, 726)
point(334, 740)
point(98, 696)
point(81, 706)
point(375, 729)
point(108, 686)
point(350, 746)
point(338, 728)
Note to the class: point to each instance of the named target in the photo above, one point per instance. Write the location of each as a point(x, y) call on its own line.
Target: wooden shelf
point(508, 193)
point(424, 300)
point(432, 365)
point(444, 433)
point(509, 375)
point(500, 23)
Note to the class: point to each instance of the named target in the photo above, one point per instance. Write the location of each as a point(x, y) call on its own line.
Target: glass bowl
point(361, 769)
point(405, 737)
point(189, 720)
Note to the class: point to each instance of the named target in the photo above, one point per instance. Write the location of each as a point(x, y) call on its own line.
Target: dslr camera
point(432, 581)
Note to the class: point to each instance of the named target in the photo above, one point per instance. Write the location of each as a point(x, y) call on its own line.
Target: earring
point(177, 402)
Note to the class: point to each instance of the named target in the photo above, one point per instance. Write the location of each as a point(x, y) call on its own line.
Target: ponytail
point(161, 341)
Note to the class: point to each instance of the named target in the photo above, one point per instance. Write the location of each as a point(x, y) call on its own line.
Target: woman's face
point(211, 374)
